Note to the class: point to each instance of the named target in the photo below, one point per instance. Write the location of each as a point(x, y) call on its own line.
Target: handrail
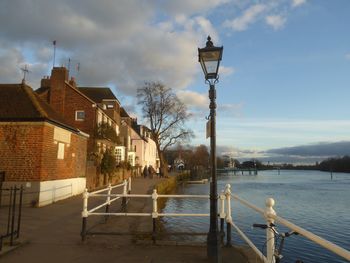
point(249, 242)
point(270, 215)
point(317, 239)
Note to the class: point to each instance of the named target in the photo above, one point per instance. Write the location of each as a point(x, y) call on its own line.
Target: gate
point(10, 215)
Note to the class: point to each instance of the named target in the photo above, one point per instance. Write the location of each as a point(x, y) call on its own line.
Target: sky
point(284, 78)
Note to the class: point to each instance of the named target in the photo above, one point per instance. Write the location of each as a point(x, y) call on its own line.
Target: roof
point(18, 102)
point(41, 90)
point(98, 94)
point(123, 113)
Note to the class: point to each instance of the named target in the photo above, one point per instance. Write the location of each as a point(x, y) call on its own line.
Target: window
point(118, 155)
point(60, 151)
point(79, 115)
point(110, 106)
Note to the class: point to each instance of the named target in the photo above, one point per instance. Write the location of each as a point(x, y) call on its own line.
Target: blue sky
point(285, 75)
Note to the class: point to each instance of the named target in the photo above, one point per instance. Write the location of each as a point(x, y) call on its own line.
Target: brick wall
point(59, 76)
point(20, 151)
point(75, 101)
point(28, 152)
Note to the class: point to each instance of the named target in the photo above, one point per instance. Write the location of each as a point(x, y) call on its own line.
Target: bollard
point(222, 216)
point(154, 214)
point(125, 193)
point(270, 235)
point(228, 216)
point(129, 185)
point(84, 214)
point(108, 200)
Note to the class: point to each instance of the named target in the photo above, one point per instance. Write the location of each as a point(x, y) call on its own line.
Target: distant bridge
point(237, 171)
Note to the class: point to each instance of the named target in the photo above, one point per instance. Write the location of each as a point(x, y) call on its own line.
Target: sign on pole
point(208, 130)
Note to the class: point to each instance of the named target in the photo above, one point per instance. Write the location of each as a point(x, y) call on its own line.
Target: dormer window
point(79, 115)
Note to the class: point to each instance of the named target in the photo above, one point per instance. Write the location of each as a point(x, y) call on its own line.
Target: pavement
point(52, 234)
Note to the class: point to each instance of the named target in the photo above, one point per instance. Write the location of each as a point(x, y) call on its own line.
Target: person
point(145, 171)
point(157, 172)
point(150, 171)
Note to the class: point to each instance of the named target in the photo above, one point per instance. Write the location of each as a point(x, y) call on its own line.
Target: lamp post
point(210, 57)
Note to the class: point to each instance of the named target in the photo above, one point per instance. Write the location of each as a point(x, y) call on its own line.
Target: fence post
point(222, 215)
point(108, 201)
point(270, 235)
point(13, 215)
point(9, 212)
point(19, 211)
point(125, 192)
point(228, 215)
point(84, 214)
point(154, 214)
point(129, 185)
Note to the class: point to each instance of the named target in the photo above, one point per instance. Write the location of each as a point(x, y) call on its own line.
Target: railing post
point(228, 215)
point(222, 215)
point(13, 216)
point(154, 214)
point(19, 211)
point(84, 214)
point(108, 201)
point(270, 235)
point(129, 185)
point(125, 193)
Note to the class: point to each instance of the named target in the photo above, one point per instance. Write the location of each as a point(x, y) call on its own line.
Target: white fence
point(225, 214)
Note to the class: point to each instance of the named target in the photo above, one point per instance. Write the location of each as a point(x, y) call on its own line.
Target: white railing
point(225, 214)
point(270, 216)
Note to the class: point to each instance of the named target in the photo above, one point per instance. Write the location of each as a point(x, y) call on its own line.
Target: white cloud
point(347, 56)
point(189, 7)
point(296, 3)
point(248, 17)
point(194, 99)
point(226, 71)
point(275, 21)
point(112, 48)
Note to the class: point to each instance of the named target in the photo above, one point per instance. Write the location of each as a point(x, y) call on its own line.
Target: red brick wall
point(20, 151)
point(75, 101)
point(28, 153)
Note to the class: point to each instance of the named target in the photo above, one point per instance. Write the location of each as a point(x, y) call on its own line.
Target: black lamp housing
point(210, 57)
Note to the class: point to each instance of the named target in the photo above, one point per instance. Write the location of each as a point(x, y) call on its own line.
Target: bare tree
point(166, 115)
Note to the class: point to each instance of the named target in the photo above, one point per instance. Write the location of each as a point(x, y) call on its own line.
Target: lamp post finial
point(209, 42)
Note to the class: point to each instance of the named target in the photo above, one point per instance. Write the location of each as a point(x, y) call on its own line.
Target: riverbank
point(51, 234)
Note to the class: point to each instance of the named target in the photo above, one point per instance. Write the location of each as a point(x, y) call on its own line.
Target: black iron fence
point(10, 215)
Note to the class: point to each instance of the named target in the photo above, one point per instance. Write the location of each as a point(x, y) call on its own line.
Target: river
point(309, 199)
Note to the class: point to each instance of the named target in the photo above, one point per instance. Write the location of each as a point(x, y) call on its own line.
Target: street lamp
point(210, 57)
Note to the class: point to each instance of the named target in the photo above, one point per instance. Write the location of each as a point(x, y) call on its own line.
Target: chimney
point(59, 77)
point(72, 82)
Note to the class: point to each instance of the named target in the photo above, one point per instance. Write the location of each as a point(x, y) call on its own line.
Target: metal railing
point(14, 215)
point(271, 217)
point(225, 215)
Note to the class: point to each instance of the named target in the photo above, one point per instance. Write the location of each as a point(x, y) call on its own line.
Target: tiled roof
point(18, 102)
point(98, 94)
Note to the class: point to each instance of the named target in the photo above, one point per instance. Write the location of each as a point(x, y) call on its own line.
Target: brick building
point(39, 148)
point(89, 109)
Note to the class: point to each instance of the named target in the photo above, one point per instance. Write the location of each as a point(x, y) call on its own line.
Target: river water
point(309, 199)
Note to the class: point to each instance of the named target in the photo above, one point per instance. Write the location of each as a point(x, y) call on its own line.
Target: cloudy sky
point(285, 75)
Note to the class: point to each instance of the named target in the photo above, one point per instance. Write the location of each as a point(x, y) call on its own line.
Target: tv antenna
point(25, 71)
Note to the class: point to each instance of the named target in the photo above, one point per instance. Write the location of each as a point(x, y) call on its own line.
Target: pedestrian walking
point(145, 172)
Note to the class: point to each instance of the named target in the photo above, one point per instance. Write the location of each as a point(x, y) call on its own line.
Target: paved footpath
point(52, 234)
